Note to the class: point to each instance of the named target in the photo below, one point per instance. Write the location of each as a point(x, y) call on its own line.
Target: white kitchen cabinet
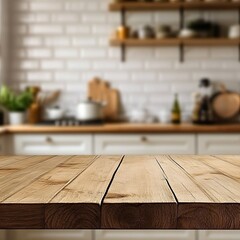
point(49, 235)
point(218, 144)
point(145, 235)
point(219, 235)
point(144, 144)
point(52, 144)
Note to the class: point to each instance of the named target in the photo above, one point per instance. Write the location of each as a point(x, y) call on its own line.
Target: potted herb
point(15, 104)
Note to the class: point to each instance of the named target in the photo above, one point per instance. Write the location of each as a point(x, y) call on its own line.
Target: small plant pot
point(16, 118)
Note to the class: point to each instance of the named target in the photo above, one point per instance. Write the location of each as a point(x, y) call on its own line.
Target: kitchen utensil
point(51, 97)
point(100, 91)
point(146, 32)
point(187, 33)
point(234, 31)
point(226, 104)
point(89, 110)
point(55, 113)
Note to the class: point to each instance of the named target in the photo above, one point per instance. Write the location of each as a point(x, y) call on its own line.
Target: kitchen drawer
point(53, 144)
point(219, 144)
point(219, 235)
point(144, 144)
point(49, 235)
point(145, 235)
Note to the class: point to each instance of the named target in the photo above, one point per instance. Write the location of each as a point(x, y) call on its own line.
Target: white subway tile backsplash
point(38, 76)
point(93, 53)
point(45, 29)
point(45, 5)
point(66, 53)
point(52, 64)
point(67, 76)
point(39, 53)
point(61, 44)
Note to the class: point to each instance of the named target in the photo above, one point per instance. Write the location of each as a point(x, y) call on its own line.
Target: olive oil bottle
point(176, 111)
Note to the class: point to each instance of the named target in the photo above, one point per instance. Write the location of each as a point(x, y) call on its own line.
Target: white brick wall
point(64, 43)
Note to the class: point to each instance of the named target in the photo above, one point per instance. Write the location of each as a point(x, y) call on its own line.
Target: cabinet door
point(219, 144)
point(49, 235)
point(219, 235)
point(144, 144)
point(54, 144)
point(145, 235)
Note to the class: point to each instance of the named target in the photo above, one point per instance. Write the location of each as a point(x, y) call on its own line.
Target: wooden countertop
point(126, 128)
point(120, 192)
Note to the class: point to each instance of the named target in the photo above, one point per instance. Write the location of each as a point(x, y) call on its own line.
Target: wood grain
point(235, 160)
point(24, 216)
point(139, 197)
point(120, 192)
point(7, 160)
point(22, 178)
point(224, 213)
point(15, 167)
point(86, 192)
point(50, 184)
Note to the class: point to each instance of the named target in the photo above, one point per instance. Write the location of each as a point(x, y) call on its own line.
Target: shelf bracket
point(181, 52)
point(123, 52)
point(239, 37)
point(182, 18)
point(181, 26)
point(123, 46)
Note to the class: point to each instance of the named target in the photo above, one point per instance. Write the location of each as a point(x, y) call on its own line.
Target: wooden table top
point(120, 192)
point(126, 128)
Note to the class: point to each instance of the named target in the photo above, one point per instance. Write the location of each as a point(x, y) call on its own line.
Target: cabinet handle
point(49, 140)
point(144, 139)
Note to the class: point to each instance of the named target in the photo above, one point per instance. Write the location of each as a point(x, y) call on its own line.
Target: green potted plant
point(15, 104)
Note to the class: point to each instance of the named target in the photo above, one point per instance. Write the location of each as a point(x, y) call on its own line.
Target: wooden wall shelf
point(181, 7)
point(175, 42)
point(141, 6)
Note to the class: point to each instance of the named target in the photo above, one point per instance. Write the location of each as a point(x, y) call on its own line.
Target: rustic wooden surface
point(120, 192)
point(126, 128)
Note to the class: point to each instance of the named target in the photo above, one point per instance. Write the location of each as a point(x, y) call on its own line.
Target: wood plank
point(7, 160)
point(224, 213)
point(46, 187)
point(222, 166)
point(184, 187)
point(146, 42)
point(175, 42)
point(235, 160)
point(17, 181)
point(20, 165)
point(139, 197)
point(78, 204)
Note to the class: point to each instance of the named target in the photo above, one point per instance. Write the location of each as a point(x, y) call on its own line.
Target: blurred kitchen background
point(87, 77)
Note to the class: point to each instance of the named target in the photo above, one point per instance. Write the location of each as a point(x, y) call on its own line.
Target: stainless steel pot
point(89, 111)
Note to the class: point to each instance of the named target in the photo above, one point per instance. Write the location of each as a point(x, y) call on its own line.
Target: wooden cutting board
point(100, 91)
